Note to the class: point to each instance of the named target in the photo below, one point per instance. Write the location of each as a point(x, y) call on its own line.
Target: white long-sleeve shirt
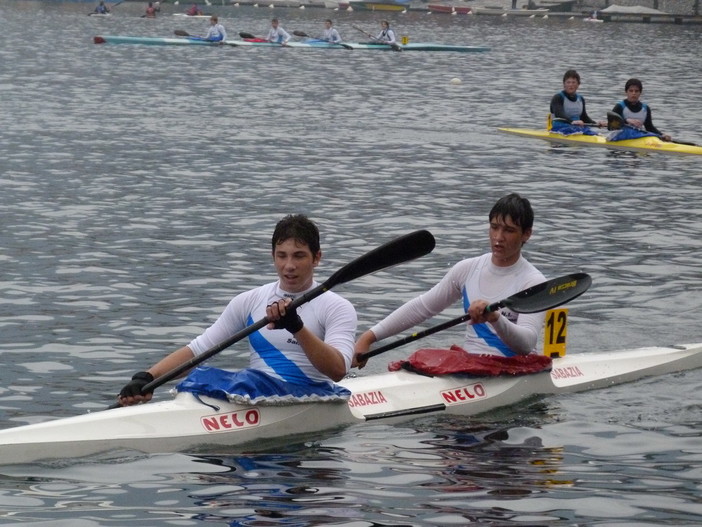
point(278, 35)
point(216, 33)
point(473, 279)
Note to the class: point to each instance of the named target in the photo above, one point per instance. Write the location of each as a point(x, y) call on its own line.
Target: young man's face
point(570, 85)
point(295, 263)
point(506, 240)
point(633, 94)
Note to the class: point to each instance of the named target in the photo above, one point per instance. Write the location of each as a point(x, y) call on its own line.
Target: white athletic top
point(331, 35)
point(275, 351)
point(216, 33)
point(473, 279)
point(278, 35)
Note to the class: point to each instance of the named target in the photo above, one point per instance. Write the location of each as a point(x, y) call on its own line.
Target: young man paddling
point(477, 282)
point(636, 113)
point(299, 354)
point(330, 33)
point(101, 8)
point(277, 34)
point(568, 114)
point(216, 31)
point(386, 35)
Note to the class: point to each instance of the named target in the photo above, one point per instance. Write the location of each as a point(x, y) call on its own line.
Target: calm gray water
point(139, 189)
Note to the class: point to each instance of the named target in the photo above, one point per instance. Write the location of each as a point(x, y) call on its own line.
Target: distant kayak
point(155, 41)
point(309, 44)
point(184, 15)
point(645, 144)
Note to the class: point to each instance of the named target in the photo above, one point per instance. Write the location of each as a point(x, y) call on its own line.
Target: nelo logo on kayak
point(367, 399)
point(231, 421)
point(464, 394)
point(569, 372)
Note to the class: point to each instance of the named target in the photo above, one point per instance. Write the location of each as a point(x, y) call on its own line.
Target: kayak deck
point(188, 424)
point(643, 144)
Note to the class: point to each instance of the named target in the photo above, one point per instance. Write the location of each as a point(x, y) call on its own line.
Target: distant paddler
point(330, 33)
point(635, 113)
point(101, 8)
point(150, 11)
point(386, 35)
point(194, 10)
point(277, 34)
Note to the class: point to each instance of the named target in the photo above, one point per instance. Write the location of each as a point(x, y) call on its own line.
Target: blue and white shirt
point(275, 351)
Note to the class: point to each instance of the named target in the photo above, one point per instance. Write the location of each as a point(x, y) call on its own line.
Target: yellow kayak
point(644, 144)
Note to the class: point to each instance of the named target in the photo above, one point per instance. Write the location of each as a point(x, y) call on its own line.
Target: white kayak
point(188, 424)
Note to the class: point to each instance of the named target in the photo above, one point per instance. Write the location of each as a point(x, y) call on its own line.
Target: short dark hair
point(633, 82)
point(571, 74)
point(298, 227)
point(517, 208)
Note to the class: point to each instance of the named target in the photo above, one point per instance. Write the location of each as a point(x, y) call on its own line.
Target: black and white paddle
point(540, 297)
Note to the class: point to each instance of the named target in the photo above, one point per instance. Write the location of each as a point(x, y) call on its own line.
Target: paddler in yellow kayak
point(568, 113)
point(636, 113)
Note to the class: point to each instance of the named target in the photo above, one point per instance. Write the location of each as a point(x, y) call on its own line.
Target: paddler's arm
point(324, 357)
point(131, 395)
point(363, 344)
point(521, 338)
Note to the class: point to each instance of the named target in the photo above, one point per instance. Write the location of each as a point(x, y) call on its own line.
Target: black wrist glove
point(133, 387)
point(290, 322)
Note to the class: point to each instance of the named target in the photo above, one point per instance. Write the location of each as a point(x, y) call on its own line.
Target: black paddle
point(305, 35)
point(397, 251)
point(540, 297)
point(244, 34)
point(182, 33)
point(395, 46)
point(617, 122)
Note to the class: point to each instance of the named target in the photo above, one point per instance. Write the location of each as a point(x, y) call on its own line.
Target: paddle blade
point(546, 295)
point(397, 251)
point(615, 121)
point(244, 34)
point(181, 33)
point(300, 34)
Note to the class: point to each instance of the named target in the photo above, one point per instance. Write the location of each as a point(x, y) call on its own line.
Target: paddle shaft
point(402, 249)
point(541, 297)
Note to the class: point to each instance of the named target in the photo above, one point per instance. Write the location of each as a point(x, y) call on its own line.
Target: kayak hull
point(643, 144)
point(310, 44)
point(152, 41)
point(186, 423)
